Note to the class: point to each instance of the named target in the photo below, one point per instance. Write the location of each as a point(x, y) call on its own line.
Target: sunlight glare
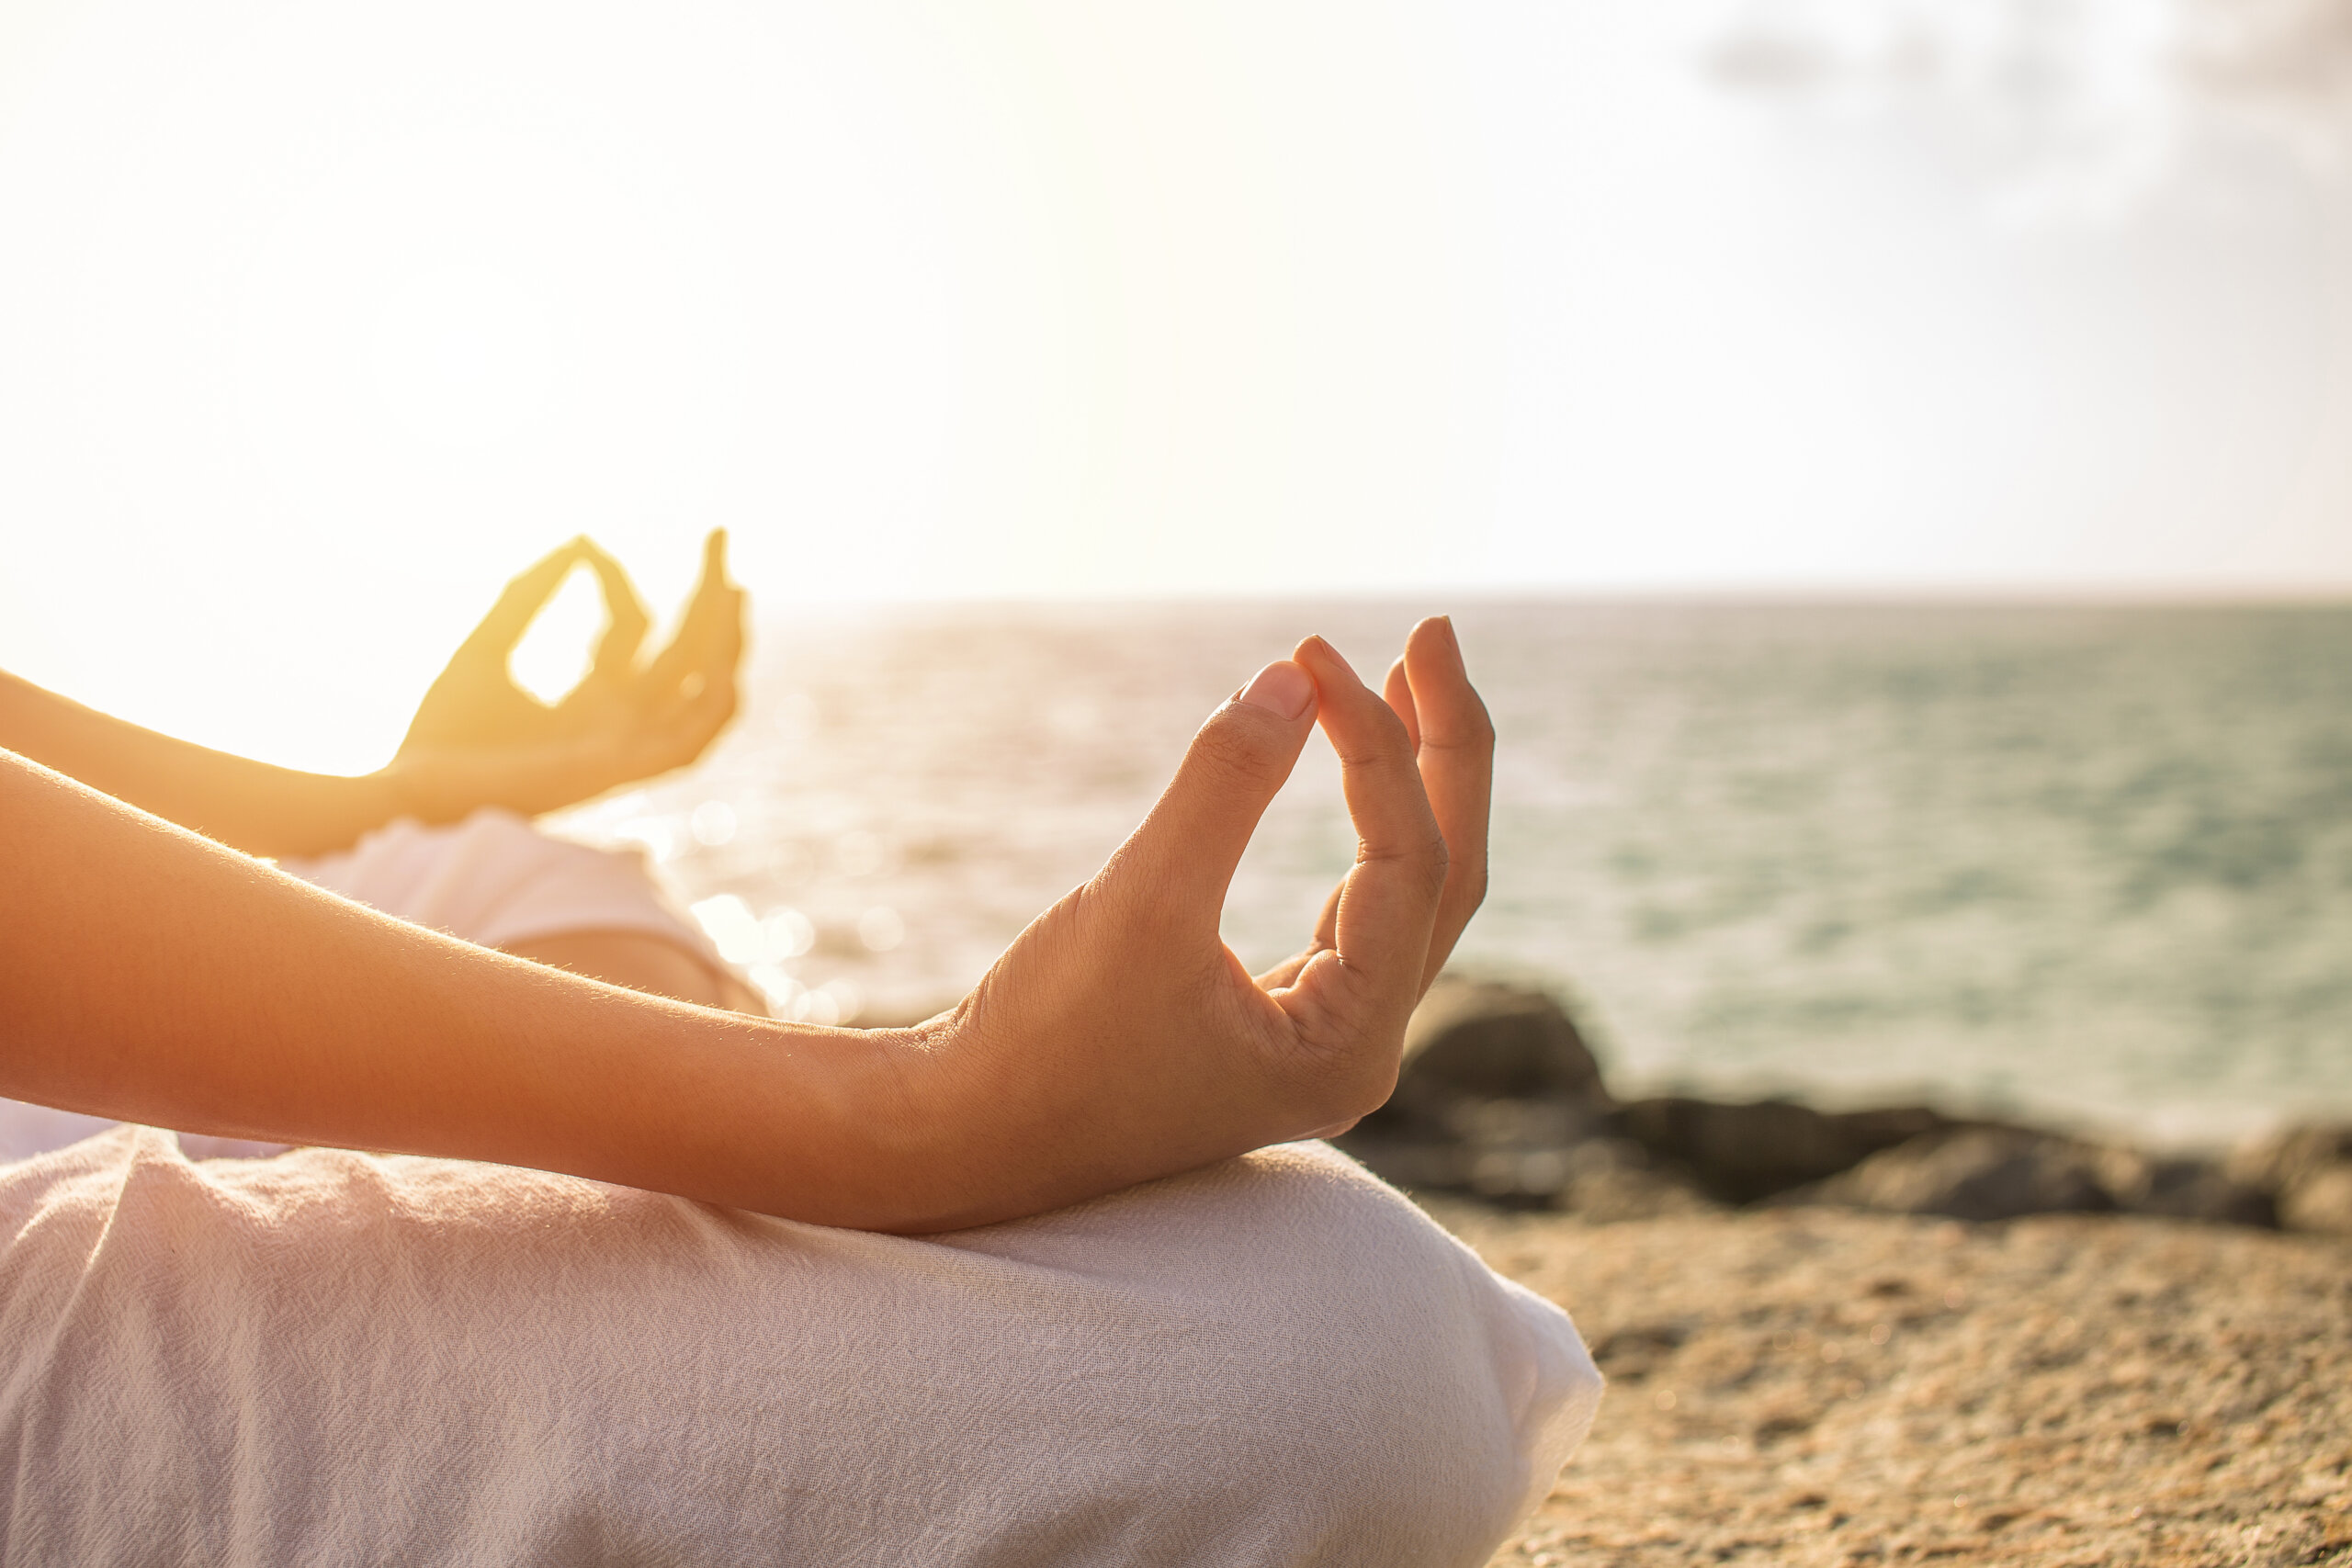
point(554, 653)
point(463, 356)
point(318, 323)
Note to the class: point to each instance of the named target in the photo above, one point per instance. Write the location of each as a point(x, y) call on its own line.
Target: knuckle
point(1375, 736)
point(1424, 858)
point(1435, 862)
point(1388, 747)
point(1389, 737)
point(1473, 733)
point(1221, 747)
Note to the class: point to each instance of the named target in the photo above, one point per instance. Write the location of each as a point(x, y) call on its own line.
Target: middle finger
point(1456, 755)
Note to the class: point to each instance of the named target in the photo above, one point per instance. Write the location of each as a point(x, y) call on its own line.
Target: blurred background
point(1891, 462)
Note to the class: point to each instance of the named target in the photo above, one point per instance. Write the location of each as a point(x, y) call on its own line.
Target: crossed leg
point(1273, 1362)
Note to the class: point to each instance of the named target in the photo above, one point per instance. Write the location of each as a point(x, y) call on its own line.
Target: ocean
point(2089, 864)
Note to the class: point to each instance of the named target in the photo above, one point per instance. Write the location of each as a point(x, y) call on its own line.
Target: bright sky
point(318, 321)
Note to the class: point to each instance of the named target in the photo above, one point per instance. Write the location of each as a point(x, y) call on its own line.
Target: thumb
point(1184, 853)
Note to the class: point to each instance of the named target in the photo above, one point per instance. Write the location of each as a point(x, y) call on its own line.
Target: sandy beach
point(1812, 1386)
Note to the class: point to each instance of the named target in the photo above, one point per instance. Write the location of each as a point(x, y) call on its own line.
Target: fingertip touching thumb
point(1282, 689)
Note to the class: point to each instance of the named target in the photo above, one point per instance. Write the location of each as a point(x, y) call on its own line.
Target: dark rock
point(2307, 1173)
point(1476, 1041)
point(1600, 1179)
point(1497, 1089)
point(1739, 1153)
point(1974, 1173)
point(2182, 1189)
point(2320, 1200)
point(1514, 1123)
point(1500, 1097)
point(1512, 1151)
point(1608, 1179)
point(1417, 1165)
point(2285, 1158)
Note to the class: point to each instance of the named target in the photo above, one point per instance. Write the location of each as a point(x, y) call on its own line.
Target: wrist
point(395, 787)
point(951, 1150)
point(1003, 1124)
point(839, 1127)
point(422, 788)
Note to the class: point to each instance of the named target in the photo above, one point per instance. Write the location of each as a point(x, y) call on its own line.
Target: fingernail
point(1280, 688)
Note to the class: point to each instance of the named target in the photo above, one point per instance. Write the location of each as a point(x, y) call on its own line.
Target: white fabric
point(334, 1359)
point(27, 1130)
point(493, 879)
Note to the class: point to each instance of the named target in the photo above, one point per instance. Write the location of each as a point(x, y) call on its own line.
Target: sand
point(1816, 1386)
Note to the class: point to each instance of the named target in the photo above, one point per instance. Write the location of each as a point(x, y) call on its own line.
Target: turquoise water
point(2087, 864)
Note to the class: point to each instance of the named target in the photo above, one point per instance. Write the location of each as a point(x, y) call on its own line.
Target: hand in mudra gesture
point(478, 739)
point(1119, 1038)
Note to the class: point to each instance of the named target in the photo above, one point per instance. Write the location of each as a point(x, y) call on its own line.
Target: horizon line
point(1891, 596)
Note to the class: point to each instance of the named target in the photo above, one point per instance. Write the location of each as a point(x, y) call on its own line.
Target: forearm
point(148, 975)
point(249, 806)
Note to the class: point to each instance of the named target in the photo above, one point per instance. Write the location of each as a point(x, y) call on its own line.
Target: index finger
point(519, 601)
point(1455, 742)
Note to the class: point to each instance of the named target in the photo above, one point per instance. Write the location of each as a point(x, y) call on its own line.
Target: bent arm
point(149, 975)
point(253, 806)
point(477, 739)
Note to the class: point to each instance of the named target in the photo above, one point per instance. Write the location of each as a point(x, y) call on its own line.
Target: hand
point(480, 739)
point(1119, 1038)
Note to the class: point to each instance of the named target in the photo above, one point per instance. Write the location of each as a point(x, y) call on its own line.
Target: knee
point(1403, 1403)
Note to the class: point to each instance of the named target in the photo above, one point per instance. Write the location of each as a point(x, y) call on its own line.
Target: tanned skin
point(160, 973)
